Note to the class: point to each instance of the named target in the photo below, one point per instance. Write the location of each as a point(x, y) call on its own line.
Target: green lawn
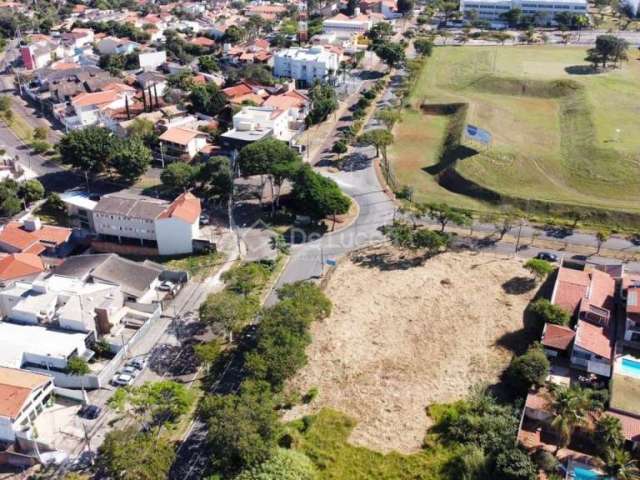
point(325, 443)
point(573, 145)
point(625, 392)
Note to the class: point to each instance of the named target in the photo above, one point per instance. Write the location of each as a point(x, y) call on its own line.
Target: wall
point(174, 236)
point(152, 60)
point(6, 430)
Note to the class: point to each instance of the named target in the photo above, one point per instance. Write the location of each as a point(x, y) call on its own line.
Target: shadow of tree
point(519, 285)
point(581, 70)
point(384, 261)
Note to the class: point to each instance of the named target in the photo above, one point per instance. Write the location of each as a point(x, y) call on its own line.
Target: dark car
point(548, 256)
point(90, 412)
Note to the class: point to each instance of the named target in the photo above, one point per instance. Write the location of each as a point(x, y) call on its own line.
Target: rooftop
point(134, 278)
point(127, 205)
point(557, 336)
point(593, 338)
point(15, 387)
point(180, 135)
point(185, 207)
point(20, 265)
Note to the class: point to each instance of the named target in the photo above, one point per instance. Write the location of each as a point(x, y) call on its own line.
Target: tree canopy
point(608, 48)
point(208, 99)
point(318, 196)
point(87, 149)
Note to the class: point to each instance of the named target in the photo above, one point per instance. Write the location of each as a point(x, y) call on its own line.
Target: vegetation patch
point(625, 392)
point(558, 148)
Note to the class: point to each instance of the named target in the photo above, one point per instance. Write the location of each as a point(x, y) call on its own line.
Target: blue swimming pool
point(630, 367)
point(580, 473)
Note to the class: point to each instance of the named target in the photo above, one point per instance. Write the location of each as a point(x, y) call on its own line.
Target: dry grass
point(400, 339)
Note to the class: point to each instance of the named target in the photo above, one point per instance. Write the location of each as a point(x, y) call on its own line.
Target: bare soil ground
point(402, 337)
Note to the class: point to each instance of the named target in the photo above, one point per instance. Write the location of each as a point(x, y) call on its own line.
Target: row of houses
point(598, 350)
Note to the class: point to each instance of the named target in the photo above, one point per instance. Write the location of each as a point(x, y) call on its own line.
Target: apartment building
point(256, 123)
point(168, 228)
point(543, 10)
point(306, 65)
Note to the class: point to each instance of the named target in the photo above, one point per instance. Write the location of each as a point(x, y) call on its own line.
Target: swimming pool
point(581, 473)
point(630, 367)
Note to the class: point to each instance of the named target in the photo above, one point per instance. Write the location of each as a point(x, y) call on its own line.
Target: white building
point(23, 396)
point(180, 141)
point(111, 45)
point(544, 10)
point(148, 222)
point(256, 123)
point(151, 60)
point(306, 65)
point(90, 108)
point(343, 26)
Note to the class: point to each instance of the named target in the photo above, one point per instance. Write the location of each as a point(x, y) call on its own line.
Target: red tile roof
point(15, 387)
point(557, 336)
point(537, 400)
point(630, 425)
point(186, 207)
point(571, 286)
point(203, 42)
point(593, 338)
point(20, 265)
point(17, 238)
point(237, 90)
point(46, 233)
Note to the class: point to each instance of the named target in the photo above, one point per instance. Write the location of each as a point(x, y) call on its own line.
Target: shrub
point(547, 312)
point(539, 268)
point(284, 465)
point(77, 366)
point(40, 146)
point(545, 461)
point(310, 395)
point(530, 368)
point(514, 464)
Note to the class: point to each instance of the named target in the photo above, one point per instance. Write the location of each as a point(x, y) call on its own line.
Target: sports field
point(570, 142)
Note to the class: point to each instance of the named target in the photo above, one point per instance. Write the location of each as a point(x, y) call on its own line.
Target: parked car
point(138, 363)
point(204, 219)
point(122, 380)
point(166, 286)
point(130, 370)
point(90, 412)
point(548, 256)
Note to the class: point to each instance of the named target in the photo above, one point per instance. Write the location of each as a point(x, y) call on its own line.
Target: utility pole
point(87, 441)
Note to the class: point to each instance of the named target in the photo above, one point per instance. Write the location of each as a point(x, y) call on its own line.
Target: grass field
point(325, 443)
point(569, 143)
point(625, 391)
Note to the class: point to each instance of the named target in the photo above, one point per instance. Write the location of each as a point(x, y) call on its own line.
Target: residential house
point(203, 42)
point(343, 26)
point(19, 266)
point(589, 296)
point(181, 143)
point(266, 12)
point(295, 103)
point(306, 65)
point(94, 108)
point(79, 206)
point(255, 51)
point(246, 92)
point(557, 340)
point(113, 45)
point(152, 80)
point(162, 227)
point(23, 396)
point(256, 123)
point(150, 60)
point(137, 281)
point(631, 296)
point(388, 8)
point(33, 237)
point(39, 54)
point(77, 38)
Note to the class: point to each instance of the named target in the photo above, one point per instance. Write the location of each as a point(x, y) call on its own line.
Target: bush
point(77, 366)
point(514, 464)
point(530, 368)
point(545, 461)
point(284, 465)
point(539, 268)
point(310, 395)
point(40, 146)
point(547, 312)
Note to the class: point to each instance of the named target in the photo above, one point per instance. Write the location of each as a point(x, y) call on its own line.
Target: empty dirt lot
point(400, 339)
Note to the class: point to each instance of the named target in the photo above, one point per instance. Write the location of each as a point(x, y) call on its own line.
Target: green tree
point(208, 64)
point(247, 278)
point(130, 158)
point(539, 268)
point(607, 48)
point(547, 312)
point(532, 368)
point(323, 100)
point(515, 464)
point(444, 214)
point(380, 32)
point(208, 99)
point(379, 138)
point(131, 455)
point(54, 205)
point(608, 434)
point(390, 53)
point(601, 237)
point(228, 311)
point(87, 149)
point(620, 465)
point(309, 297)
point(234, 35)
point(389, 116)
point(145, 130)
point(77, 366)
point(178, 176)
point(31, 191)
point(513, 17)
point(319, 196)
point(40, 133)
point(284, 465)
point(208, 353)
point(243, 429)
point(164, 402)
point(215, 177)
point(570, 406)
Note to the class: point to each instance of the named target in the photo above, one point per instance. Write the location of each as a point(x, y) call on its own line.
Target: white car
point(123, 380)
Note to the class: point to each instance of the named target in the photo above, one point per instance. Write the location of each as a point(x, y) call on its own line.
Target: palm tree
point(619, 465)
point(608, 433)
point(570, 407)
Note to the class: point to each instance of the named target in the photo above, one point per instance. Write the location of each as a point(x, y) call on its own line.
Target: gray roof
point(134, 278)
point(131, 206)
point(81, 266)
